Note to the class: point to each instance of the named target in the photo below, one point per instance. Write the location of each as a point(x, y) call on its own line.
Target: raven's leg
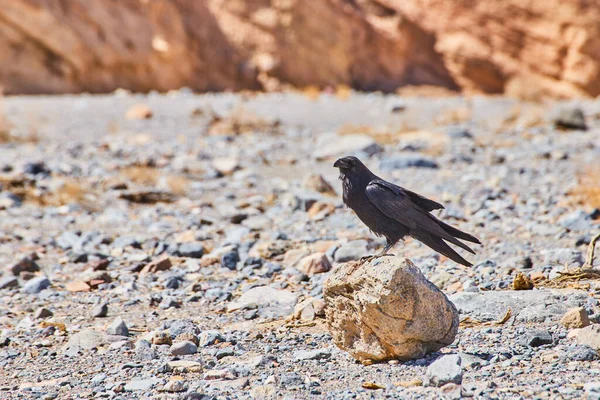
point(389, 244)
point(387, 248)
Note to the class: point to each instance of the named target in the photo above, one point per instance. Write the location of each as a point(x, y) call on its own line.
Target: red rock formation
point(63, 46)
point(528, 48)
point(548, 47)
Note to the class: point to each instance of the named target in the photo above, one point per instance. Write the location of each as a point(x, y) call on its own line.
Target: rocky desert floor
point(155, 246)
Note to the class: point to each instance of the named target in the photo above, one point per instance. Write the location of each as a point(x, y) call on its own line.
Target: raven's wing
point(395, 203)
point(421, 201)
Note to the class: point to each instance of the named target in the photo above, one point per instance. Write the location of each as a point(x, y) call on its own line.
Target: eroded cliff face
point(525, 48)
point(515, 46)
point(98, 46)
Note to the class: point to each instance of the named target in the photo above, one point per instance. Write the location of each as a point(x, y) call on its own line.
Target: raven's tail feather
point(458, 233)
point(438, 244)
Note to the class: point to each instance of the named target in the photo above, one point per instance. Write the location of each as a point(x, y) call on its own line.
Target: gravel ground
point(130, 240)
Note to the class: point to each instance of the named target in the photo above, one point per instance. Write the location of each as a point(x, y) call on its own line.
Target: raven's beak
point(339, 164)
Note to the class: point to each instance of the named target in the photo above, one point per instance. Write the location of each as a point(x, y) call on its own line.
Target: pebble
point(175, 386)
point(162, 337)
point(36, 285)
point(226, 352)
point(537, 338)
point(118, 327)
point(571, 118)
point(183, 348)
point(26, 264)
point(191, 250)
point(141, 384)
point(9, 282)
point(446, 369)
point(100, 311)
point(42, 313)
point(208, 338)
point(230, 259)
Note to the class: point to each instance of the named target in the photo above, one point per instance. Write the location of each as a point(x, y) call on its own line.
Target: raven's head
point(350, 166)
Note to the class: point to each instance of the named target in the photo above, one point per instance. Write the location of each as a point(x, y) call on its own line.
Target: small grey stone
point(100, 311)
point(226, 352)
point(180, 326)
point(208, 338)
point(471, 361)
point(577, 221)
point(118, 327)
point(144, 351)
point(141, 384)
point(446, 369)
point(230, 260)
point(175, 386)
point(36, 285)
point(68, 240)
point(570, 118)
point(563, 257)
point(169, 302)
point(183, 348)
point(317, 354)
point(98, 379)
point(290, 380)
point(537, 338)
point(9, 282)
point(191, 250)
point(42, 313)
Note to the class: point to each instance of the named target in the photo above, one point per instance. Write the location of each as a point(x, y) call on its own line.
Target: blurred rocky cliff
point(524, 48)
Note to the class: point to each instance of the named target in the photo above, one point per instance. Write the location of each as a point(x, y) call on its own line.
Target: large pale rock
point(575, 318)
point(386, 309)
point(589, 336)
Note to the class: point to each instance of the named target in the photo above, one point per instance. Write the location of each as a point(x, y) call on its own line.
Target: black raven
point(394, 212)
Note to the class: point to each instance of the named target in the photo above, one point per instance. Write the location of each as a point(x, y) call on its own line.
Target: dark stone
point(36, 285)
point(191, 250)
point(26, 264)
point(226, 352)
point(571, 118)
point(100, 311)
point(36, 168)
point(537, 338)
point(9, 282)
point(173, 282)
point(230, 260)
